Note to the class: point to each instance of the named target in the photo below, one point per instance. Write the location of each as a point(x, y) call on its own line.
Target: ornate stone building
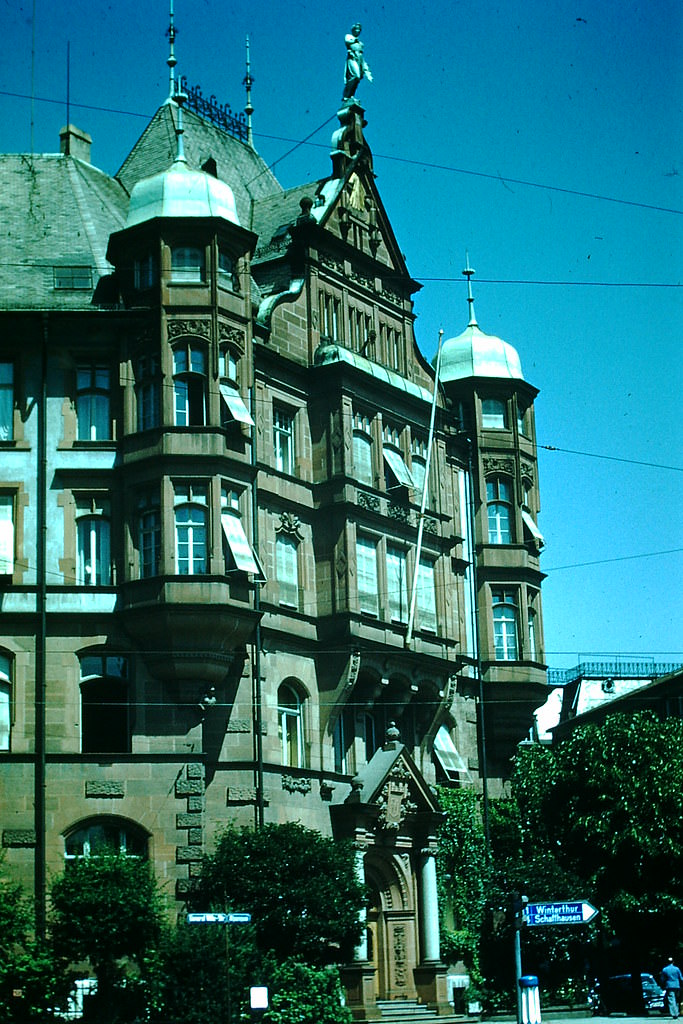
point(251, 570)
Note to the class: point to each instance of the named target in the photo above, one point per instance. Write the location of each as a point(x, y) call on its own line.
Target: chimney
point(75, 142)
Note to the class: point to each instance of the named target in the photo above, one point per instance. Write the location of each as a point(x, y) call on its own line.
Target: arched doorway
point(391, 923)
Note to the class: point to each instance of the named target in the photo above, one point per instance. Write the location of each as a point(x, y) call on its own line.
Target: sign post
point(534, 915)
point(217, 917)
point(564, 912)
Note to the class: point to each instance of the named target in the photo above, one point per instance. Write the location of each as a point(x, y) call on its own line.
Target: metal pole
point(425, 491)
point(518, 967)
point(41, 642)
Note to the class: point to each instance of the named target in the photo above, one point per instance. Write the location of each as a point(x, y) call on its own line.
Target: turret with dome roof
point(476, 354)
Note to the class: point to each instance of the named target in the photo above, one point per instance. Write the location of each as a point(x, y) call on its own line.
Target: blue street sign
point(218, 918)
point(565, 912)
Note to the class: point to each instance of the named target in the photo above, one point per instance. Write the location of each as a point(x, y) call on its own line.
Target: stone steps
point(403, 1011)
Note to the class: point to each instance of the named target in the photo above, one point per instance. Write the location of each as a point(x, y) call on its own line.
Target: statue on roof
point(356, 66)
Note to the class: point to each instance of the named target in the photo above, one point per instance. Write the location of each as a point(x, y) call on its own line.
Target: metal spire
point(171, 55)
point(468, 274)
point(249, 110)
point(180, 98)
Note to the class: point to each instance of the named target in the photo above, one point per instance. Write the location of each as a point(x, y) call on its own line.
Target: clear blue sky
point(472, 107)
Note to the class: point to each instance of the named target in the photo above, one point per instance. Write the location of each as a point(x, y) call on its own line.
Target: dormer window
point(187, 265)
point(73, 278)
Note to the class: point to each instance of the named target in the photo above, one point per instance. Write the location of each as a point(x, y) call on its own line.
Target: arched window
point(105, 704)
point(187, 265)
point(505, 623)
point(5, 701)
point(93, 543)
point(189, 384)
point(499, 508)
point(191, 528)
point(105, 834)
point(290, 726)
point(93, 403)
point(493, 414)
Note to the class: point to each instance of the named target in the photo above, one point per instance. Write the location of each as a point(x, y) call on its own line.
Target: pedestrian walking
point(671, 981)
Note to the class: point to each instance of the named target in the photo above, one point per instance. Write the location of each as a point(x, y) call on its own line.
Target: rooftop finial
point(468, 274)
point(249, 110)
point(171, 55)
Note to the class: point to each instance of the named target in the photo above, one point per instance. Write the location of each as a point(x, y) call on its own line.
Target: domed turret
point(476, 354)
point(181, 192)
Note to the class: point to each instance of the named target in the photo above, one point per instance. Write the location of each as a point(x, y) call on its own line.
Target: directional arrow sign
point(218, 918)
point(566, 912)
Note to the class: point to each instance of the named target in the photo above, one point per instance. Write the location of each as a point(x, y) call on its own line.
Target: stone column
point(361, 950)
point(429, 907)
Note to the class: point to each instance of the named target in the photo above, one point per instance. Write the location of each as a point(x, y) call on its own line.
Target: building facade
point(251, 570)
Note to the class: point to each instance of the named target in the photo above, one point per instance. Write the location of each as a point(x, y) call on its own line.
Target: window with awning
point(235, 404)
point(244, 557)
point(447, 754)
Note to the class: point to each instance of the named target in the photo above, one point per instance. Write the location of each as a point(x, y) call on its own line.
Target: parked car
point(616, 995)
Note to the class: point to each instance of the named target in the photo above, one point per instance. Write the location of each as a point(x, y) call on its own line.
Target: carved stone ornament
point(370, 501)
point(341, 564)
point(289, 524)
point(399, 512)
point(431, 525)
point(328, 260)
point(193, 328)
point(231, 335)
point(394, 802)
point(400, 965)
point(294, 785)
point(498, 465)
point(352, 670)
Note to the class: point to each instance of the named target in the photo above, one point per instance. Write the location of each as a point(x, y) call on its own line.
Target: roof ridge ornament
point(468, 272)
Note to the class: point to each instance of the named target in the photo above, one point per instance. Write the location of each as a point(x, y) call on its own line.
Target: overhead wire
point(297, 143)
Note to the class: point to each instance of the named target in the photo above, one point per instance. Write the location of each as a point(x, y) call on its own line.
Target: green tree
point(106, 909)
point(26, 964)
point(300, 994)
point(604, 811)
point(299, 886)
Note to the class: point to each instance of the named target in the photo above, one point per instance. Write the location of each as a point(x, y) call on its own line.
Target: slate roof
point(56, 211)
point(236, 163)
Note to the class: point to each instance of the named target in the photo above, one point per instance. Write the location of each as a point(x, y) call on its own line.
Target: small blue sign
point(218, 918)
point(565, 912)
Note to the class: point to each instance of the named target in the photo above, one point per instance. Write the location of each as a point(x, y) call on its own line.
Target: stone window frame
point(110, 674)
